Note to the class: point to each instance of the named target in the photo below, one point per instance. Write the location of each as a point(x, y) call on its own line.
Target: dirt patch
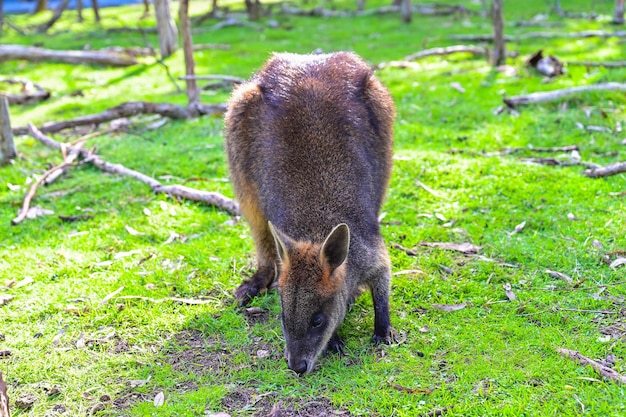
point(246, 402)
point(193, 352)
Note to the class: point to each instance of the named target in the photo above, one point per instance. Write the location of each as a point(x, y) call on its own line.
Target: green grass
point(494, 357)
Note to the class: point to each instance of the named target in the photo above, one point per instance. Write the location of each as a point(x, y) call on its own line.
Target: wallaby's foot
point(335, 344)
point(246, 292)
point(388, 337)
point(250, 288)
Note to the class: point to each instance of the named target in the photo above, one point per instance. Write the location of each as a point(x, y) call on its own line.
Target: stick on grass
point(603, 370)
point(207, 197)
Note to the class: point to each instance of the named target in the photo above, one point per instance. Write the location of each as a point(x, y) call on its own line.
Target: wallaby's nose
point(300, 367)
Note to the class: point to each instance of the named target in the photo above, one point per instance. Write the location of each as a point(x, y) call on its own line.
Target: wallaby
point(309, 143)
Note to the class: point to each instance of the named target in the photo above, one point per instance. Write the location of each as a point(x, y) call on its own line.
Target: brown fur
point(309, 142)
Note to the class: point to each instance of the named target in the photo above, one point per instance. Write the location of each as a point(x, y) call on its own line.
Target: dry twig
point(603, 370)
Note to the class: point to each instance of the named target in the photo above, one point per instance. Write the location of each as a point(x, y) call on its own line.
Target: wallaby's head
point(312, 293)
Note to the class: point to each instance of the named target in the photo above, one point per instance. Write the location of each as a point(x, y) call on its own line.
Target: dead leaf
point(518, 228)
point(459, 247)
point(133, 232)
point(135, 383)
point(5, 298)
point(37, 211)
point(424, 329)
point(147, 258)
point(58, 336)
point(24, 282)
point(441, 217)
point(509, 294)
point(276, 410)
point(25, 402)
point(614, 264)
point(159, 399)
point(109, 296)
point(412, 390)
point(262, 353)
point(173, 237)
point(151, 286)
point(560, 275)
point(449, 307)
point(427, 188)
point(482, 388)
point(80, 343)
point(121, 255)
point(458, 87)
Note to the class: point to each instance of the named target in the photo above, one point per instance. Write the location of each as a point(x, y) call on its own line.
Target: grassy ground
point(496, 357)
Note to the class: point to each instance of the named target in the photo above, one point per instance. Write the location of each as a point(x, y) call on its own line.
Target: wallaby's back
point(314, 143)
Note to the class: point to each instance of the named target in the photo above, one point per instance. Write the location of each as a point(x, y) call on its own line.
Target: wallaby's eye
point(317, 320)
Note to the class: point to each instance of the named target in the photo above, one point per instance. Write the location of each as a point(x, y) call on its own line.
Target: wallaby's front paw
point(335, 344)
point(245, 293)
point(388, 337)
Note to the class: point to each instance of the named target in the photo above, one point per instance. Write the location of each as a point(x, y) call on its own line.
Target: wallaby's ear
point(335, 247)
point(281, 241)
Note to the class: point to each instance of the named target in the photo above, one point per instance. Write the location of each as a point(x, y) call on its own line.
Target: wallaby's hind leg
point(380, 286)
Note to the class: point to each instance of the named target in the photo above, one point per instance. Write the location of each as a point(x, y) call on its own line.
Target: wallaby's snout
point(309, 143)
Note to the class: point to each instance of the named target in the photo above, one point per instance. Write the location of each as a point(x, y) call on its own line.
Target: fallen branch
point(27, 97)
point(31, 53)
point(543, 35)
point(228, 78)
point(601, 369)
point(449, 50)
point(188, 301)
point(129, 109)
point(606, 171)
point(606, 64)
point(544, 96)
point(56, 170)
point(207, 197)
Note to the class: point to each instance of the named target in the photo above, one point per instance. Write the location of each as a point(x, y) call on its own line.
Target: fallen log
point(541, 97)
point(132, 108)
point(31, 53)
point(613, 169)
point(207, 197)
point(543, 35)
